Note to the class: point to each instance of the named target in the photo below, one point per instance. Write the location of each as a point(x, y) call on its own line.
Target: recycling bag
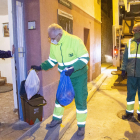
point(65, 92)
point(32, 84)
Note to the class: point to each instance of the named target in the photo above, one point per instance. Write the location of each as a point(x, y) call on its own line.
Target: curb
point(106, 67)
point(57, 132)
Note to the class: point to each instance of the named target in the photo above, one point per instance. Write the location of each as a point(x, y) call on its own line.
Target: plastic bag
point(32, 84)
point(65, 92)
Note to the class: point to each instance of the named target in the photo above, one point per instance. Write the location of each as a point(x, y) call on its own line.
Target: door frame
point(15, 61)
point(10, 15)
point(87, 44)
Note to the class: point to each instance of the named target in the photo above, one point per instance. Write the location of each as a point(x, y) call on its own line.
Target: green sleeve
point(125, 59)
point(82, 55)
point(51, 62)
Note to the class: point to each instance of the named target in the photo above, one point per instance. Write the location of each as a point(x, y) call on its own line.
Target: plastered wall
point(81, 20)
point(33, 38)
point(5, 45)
point(38, 46)
point(91, 7)
point(106, 34)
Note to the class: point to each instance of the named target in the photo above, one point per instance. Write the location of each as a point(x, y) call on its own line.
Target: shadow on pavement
point(29, 133)
point(135, 133)
point(49, 135)
point(75, 137)
point(21, 126)
point(123, 106)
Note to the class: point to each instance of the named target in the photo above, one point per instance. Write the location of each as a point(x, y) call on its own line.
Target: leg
point(131, 93)
point(138, 111)
point(58, 111)
point(80, 88)
point(57, 114)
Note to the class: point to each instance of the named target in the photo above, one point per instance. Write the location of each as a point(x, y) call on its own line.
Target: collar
point(62, 38)
point(133, 39)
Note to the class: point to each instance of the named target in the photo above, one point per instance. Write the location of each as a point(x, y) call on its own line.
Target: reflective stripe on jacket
point(131, 58)
point(70, 51)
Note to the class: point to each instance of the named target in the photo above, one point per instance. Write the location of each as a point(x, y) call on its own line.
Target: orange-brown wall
point(33, 38)
point(81, 20)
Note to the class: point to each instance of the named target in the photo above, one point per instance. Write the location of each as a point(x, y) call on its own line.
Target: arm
point(125, 58)
point(82, 55)
point(5, 54)
point(51, 62)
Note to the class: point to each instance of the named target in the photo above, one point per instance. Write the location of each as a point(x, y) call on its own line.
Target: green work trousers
point(133, 84)
point(80, 87)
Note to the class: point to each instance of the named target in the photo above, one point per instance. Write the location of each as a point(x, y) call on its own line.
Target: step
point(2, 81)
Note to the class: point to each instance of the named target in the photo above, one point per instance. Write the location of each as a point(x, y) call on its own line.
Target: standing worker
point(131, 65)
point(69, 52)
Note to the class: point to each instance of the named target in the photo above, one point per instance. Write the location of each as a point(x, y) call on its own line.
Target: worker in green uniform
point(131, 65)
point(70, 53)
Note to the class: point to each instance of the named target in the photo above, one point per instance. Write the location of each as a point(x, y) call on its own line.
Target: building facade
point(85, 26)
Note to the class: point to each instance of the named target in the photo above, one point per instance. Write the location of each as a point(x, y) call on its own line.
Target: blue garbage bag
point(65, 92)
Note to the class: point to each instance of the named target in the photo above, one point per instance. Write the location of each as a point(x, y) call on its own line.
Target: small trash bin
point(33, 108)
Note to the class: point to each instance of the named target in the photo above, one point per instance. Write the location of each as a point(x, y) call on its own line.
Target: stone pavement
point(7, 116)
point(10, 126)
point(18, 129)
point(103, 121)
point(42, 132)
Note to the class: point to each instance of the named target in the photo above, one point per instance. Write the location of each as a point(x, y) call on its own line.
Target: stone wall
point(106, 34)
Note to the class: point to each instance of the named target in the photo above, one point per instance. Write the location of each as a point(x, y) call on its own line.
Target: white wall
point(5, 65)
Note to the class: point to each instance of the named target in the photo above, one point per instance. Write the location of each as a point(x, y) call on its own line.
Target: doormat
point(6, 88)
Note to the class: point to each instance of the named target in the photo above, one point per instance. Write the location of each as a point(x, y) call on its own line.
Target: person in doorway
point(131, 65)
point(69, 52)
point(7, 54)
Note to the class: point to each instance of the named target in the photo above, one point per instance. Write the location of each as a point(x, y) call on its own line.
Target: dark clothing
point(133, 84)
point(5, 54)
point(80, 88)
point(131, 64)
point(131, 58)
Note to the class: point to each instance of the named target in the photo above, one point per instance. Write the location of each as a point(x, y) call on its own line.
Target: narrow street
point(104, 109)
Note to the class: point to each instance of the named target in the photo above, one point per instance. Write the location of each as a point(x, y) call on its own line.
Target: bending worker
point(69, 52)
point(131, 65)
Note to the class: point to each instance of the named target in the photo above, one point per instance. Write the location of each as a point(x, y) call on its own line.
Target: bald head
point(136, 28)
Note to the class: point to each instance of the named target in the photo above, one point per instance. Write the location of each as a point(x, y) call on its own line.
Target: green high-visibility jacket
point(70, 51)
point(131, 58)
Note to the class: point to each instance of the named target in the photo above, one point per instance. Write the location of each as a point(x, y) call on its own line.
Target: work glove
point(38, 68)
point(69, 71)
point(123, 74)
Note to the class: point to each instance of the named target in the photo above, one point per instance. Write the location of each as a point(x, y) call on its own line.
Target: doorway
point(20, 50)
point(8, 96)
point(87, 44)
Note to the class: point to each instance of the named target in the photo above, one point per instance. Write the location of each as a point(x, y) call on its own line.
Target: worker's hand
point(123, 74)
point(38, 68)
point(69, 71)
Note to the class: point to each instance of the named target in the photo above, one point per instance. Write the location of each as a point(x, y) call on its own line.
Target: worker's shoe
point(54, 123)
point(81, 131)
point(127, 116)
